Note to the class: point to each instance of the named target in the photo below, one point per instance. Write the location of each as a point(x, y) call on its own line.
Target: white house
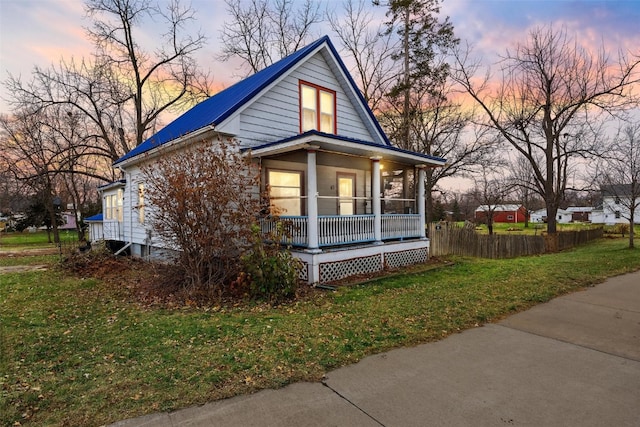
point(616, 200)
point(563, 216)
point(324, 156)
point(581, 213)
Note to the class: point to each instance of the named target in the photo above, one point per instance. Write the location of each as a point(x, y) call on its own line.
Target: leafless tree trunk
point(551, 93)
point(522, 181)
point(491, 189)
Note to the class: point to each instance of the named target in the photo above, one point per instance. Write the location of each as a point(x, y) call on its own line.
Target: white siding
point(135, 232)
point(610, 207)
point(276, 114)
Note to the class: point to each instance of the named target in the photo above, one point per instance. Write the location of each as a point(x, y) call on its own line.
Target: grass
point(79, 352)
point(537, 228)
point(26, 240)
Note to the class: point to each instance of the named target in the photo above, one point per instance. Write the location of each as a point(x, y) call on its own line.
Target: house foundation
point(333, 264)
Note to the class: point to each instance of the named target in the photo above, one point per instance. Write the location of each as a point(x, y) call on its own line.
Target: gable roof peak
point(215, 109)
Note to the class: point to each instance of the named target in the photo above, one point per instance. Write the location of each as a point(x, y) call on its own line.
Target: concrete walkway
point(574, 361)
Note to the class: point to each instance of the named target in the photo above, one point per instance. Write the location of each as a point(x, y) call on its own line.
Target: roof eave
point(163, 148)
point(342, 146)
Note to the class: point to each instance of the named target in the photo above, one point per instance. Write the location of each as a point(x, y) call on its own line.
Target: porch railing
point(342, 229)
point(345, 229)
point(112, 230)
point(400, 226)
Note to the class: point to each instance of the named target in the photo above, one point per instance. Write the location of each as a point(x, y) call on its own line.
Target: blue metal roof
point(219, 107)
point(96, 218)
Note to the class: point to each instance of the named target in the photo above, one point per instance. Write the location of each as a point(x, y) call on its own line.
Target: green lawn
point(537, 228)
point(26, 240)
point(79, 352)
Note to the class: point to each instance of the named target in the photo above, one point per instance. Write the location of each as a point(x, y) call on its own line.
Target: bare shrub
point(203, 202)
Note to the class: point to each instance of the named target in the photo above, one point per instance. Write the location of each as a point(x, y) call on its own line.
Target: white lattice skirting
point(330, 266)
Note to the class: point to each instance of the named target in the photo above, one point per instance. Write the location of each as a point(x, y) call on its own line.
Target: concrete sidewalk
point(574, 361)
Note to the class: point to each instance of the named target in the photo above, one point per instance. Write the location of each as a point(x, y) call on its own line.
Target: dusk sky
point(40, 32)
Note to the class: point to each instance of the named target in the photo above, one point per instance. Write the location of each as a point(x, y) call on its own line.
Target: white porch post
point(376, 209)
point(421, 200)
point(312, 200)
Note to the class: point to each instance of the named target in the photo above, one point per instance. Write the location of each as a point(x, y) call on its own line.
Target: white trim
point(163, 148)
point(345, 147)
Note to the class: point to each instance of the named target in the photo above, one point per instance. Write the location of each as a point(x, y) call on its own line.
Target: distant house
point(563, 216)
point(616, 200)
point(94, 223)
point(68, 221)
point(580, 213)
point(325, 162)
point(501, 213)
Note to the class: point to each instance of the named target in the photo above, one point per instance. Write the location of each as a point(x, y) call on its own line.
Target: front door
point(346, 193)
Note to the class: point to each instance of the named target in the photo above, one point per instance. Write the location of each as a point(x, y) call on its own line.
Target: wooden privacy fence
point(449, 239)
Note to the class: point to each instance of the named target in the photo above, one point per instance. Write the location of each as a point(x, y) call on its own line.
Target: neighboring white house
point(615, 206)
point(562, 216)
point(323, 154)
point(581, 213)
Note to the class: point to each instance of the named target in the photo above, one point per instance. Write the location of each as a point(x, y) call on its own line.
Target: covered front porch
point(338, 200)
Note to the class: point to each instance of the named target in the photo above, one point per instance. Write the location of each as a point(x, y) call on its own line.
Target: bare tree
point(262, 32)
point(164, 79)
point(491, 189)
point(122, 92)
point(202, 202)
point(619, 175)
point(419, 112)
point(370, 48)
point(523, 184)
point(441, 127)
point(32, 157)
point(423, 41)
point(550, 95)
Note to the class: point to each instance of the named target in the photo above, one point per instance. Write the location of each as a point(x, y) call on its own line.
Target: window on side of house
point(141, 203)
point(107, 207)
point(119, 201)
point(285, 192)
point(618, 215)
point(317, 108)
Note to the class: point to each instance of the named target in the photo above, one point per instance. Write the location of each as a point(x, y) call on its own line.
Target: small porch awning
point(94, 218)
point(343, 145)
point(111, 185)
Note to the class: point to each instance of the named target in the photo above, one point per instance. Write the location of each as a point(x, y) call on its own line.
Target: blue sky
point(40, 32)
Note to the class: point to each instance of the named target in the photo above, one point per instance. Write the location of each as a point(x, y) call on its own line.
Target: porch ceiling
point(343, 145)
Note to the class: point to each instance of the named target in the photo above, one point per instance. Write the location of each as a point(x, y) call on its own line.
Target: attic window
point(317, 108)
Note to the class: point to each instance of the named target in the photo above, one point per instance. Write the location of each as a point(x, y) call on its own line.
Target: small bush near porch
point(85, 349)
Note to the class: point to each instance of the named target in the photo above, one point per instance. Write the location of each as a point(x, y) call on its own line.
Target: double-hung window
point(285, 191)
point(317, 108)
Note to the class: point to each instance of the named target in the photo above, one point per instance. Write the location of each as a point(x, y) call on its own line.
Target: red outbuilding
point(501, 213)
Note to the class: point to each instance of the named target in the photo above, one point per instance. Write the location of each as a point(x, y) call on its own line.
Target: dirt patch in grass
point(22, 268)
point(28, 252)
